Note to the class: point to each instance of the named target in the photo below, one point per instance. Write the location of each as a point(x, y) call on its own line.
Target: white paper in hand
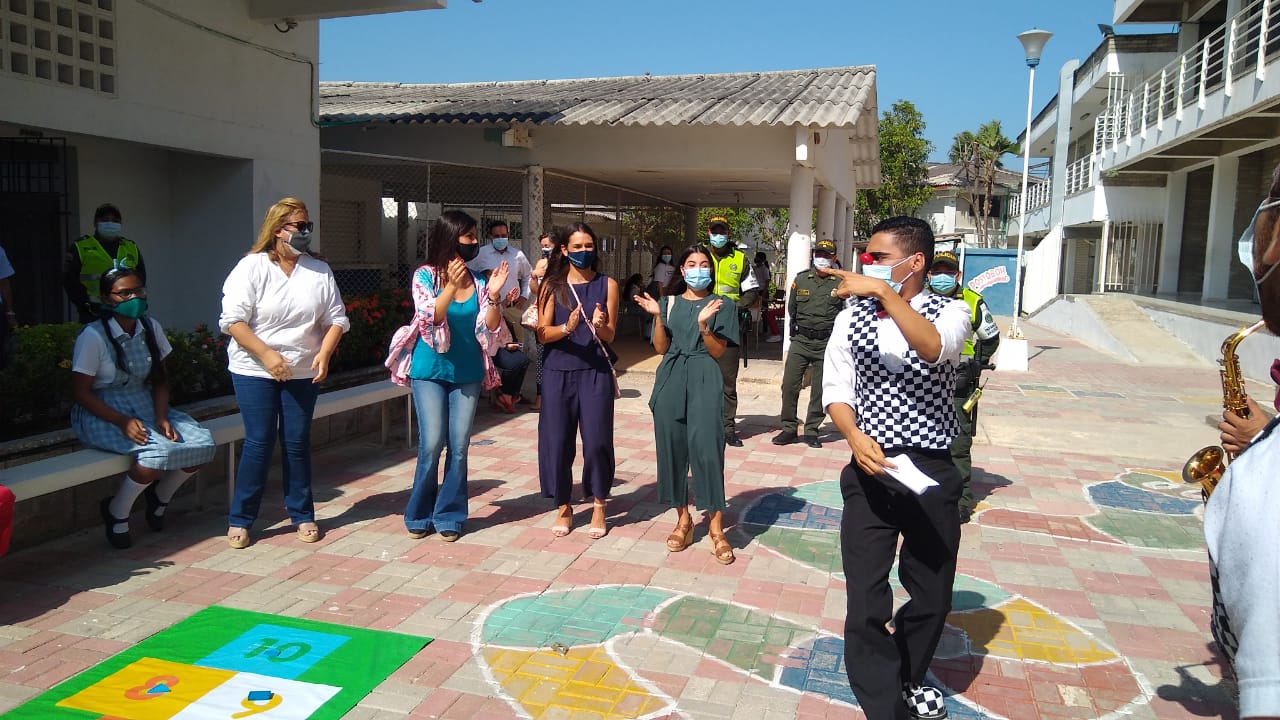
point(909, 475)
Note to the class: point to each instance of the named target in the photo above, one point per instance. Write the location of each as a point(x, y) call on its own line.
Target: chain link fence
point(375, 212)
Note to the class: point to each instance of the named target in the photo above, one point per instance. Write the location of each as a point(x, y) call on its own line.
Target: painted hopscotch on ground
point(222, 663)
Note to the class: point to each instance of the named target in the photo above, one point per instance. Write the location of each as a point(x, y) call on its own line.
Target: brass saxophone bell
point(1205, 467)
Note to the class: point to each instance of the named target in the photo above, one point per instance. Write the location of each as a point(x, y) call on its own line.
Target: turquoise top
point(462, 363)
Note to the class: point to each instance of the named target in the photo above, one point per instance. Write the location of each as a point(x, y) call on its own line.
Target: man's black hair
point(496, 223)
point(912, 234)
point(106, 209)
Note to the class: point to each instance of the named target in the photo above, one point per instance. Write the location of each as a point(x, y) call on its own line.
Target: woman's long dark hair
point(442, 240)
point(105, 284)
point(556, 282)
point(676, 286)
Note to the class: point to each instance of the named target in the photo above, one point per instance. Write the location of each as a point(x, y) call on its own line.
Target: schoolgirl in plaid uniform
point(889, 385)
point(121, 398)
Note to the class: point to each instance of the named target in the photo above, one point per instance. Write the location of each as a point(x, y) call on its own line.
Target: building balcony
point(1218, 98)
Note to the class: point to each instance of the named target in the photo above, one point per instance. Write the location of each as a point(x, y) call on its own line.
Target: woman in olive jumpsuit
point(691, 328)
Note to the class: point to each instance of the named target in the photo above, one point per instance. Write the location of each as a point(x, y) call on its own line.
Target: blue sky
point(958, 61)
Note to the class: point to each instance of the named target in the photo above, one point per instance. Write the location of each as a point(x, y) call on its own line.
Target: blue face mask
point(667, 258)
point(719, 241)
point(943, 284)
point(582, 259)
point(697, 278)
point(108, 230)
point(1244, 247)
point(500, 244)
point(885, 273)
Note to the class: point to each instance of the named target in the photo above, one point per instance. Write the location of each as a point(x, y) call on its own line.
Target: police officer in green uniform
point(734, 280)
point(945, 279)
point(812, 305)
point(94, 254)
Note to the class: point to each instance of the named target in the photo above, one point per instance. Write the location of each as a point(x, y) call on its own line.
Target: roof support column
point(691, 228)
point(800, 229)
point(842, 228)
point(1171, 242)
point(1220, 248)
point(533, 209)
point(844, 246)
point(826, 214)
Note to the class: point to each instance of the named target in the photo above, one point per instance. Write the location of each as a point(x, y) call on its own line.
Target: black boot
point(154, 521)
point(120, 541)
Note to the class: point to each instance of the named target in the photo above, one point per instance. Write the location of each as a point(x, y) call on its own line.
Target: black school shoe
point(924, 702)
point(120, 541)
point(786, 437)
point(812, 441)
point(154, 521)
point(731, 438)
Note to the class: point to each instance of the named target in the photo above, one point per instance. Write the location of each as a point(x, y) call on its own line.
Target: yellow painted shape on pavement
point(548, 684)
point(148, 689)
point(1022, 630)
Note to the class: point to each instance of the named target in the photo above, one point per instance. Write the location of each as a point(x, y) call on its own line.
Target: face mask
point(299, 242)
point(1244, 247)
point(468, 252)
point(546, 252)
point(697, 278)
point(108, 230)
point(943, 284)
point(719, 241)
point(822, 263)
point(132, 308)
point(582, 259)
point(667, 258)
point(500, 244)
point(885, 273)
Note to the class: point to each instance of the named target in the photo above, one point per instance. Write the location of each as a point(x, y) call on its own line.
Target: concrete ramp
point(1116, 324)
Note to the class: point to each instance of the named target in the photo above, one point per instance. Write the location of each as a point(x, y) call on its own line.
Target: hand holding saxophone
point(1238, 431)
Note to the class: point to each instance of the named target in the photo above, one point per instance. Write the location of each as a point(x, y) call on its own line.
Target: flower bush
point(35, 389)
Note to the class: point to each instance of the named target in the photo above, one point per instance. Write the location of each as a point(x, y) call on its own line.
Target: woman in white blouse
point(282, 309)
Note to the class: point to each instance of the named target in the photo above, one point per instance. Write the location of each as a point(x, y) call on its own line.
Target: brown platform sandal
point(721, 548)
point(681, 538)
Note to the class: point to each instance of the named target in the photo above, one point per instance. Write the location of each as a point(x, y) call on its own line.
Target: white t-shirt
point(290, 313)
point(94, 356)
point(662, 274)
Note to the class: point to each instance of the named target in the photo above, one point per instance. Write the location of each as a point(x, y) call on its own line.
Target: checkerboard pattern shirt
point(900, 399)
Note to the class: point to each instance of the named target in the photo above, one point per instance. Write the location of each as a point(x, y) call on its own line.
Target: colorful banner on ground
point(224, 663)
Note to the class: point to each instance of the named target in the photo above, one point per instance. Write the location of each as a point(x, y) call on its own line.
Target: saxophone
point(1207, 466)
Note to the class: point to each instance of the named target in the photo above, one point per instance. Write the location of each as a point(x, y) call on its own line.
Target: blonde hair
point(275, 220)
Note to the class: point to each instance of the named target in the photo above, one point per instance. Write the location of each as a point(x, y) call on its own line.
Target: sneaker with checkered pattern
point(924, 702)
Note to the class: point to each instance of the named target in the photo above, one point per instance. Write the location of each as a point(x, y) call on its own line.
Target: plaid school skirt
point(195, 444)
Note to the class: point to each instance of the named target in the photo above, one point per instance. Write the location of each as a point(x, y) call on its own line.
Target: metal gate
point(34, 189)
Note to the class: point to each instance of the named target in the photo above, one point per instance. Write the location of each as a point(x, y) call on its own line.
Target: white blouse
point(290, 313)
point(94, 356)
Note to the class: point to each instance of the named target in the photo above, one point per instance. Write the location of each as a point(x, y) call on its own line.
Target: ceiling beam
point(272, 10)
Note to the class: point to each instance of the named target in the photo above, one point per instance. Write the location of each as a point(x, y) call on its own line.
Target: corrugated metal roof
point(827, 97)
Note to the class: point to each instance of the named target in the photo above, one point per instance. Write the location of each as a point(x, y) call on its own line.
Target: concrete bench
point(62, 472)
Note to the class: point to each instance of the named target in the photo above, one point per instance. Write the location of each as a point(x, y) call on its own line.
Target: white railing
point(1238, 49)
point(1081, 175)
point(1038, 195)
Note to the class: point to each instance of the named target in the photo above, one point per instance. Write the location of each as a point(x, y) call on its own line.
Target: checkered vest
point(912, 407)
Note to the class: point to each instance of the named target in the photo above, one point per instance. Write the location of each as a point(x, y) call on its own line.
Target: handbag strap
point(590, 326)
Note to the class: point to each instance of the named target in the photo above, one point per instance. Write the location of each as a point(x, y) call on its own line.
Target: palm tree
point(979, 155)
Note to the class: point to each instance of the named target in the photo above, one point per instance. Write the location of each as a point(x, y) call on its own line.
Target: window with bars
point(71, 43)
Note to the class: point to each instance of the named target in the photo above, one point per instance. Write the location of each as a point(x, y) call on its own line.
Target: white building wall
point(200, 137)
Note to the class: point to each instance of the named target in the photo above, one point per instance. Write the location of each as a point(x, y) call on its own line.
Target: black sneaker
point(731, 438)
point(786, 437)
point(450, 535)
point(924, 702)
point(812, 441)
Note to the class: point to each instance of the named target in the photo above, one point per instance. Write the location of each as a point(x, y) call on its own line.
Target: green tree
point(980, 155)
point(904, 168)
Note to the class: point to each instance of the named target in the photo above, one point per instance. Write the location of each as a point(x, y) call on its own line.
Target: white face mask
point(822, 263)
point(885, 273)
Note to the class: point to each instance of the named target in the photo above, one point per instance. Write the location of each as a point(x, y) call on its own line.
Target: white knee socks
point(168, 484)
point(122, 503)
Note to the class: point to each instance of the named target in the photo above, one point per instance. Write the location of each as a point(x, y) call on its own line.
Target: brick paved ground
point(1083, 590)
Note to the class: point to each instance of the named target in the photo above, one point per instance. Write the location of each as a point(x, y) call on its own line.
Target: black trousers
point(877, 510)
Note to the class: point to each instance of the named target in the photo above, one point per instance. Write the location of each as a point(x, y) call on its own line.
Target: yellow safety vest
point(971, 299)
point(729, 272)
point(94, 260)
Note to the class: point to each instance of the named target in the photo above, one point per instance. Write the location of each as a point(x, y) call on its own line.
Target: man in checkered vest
point(889, 386)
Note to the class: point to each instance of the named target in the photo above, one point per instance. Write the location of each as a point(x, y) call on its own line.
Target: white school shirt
point(290, 313)
point(94, 356)
point(518, 268)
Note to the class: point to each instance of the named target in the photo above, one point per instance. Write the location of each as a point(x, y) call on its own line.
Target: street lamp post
point(1033, 42)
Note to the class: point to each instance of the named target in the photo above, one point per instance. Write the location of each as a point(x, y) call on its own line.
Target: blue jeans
point(443, 408)
point(269, 408)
